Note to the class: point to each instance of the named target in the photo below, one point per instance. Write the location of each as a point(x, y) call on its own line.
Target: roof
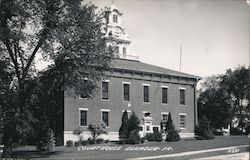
point(134, 65)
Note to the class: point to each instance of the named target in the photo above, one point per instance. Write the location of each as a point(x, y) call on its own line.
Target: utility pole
point(180, 57)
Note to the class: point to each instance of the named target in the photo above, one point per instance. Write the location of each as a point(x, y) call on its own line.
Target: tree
point(133, 123)
point(237, 85)
point(65, 33)
point(172, 133)
point(203, 130)
point(96, 129)
point(123, 131)
point(215, 104)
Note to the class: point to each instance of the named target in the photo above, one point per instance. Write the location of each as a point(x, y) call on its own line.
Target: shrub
point(47, 142)
point(157, 136)
point(203, 130)
point(134, 137)
point(123, 131)
point(99, 140)
point(96, 129)
point(84, 142)
point(150, 137)
point(235, 131)
point(77, 143)
point(142, 140)
point(91, 141)
point(69, 143)
point(172, 133)
point(106, 141)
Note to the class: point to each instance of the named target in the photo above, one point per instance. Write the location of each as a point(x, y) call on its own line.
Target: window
point(83, 117)
point(124, 51)
point(147, 128)
point(116, 49)
point(155, 129)
point(141, 128)
point(182, 121)
point(105, 117)
point(145, 93)
point(164, 117)
point(164, 95)
point(182, 97)
point(115, 18)
point(126, 92)
point(105, 90)
point(83, 96)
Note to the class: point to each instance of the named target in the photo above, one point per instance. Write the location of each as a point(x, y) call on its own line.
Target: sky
point(214, 34)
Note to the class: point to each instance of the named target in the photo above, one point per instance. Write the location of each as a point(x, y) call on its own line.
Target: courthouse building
point(152, 92)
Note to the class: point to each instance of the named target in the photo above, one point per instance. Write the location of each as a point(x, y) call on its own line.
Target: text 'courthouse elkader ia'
point(152, 92)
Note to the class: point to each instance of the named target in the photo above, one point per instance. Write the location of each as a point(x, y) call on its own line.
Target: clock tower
point(114, 32)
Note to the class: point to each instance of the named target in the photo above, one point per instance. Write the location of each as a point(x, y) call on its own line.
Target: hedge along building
point(152, 92)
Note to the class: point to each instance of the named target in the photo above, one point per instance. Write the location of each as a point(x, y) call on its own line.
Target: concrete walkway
point(236, 156)
point(189, 153)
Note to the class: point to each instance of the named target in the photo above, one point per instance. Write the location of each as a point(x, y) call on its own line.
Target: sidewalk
point(237, 156)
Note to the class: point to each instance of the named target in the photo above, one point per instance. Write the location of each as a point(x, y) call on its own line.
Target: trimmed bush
point(69, 143)
point(157, 136)
point(99, 140)
point(172, 133)
point(203, 130)
point(91, 141)
point(235, 131)
point(77, 144)
point(106, 141)
point(84, 142)
point(150, 137)
point(134, 137)
point(47, 142)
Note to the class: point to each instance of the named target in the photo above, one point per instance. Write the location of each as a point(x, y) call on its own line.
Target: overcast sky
point(214, 34)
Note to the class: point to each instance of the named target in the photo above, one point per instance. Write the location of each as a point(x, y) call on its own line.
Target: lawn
point(103, 151)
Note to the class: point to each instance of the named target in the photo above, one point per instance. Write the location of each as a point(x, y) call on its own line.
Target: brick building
point(152, 92)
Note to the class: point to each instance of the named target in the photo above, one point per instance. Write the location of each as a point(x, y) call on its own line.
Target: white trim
point(145, 84)
point(123, 82)
point(183, 114)
point(129, 111)
point(83, 109)
point(164, 113)
point(163, 86)
point(182, 88)
point(105, 110)
point(106, 80)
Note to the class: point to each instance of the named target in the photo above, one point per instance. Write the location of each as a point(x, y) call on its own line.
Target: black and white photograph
point(125, 79)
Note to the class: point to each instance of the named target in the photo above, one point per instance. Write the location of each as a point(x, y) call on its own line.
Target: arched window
point(124, 51)
point(117, 49)
point(115, 18)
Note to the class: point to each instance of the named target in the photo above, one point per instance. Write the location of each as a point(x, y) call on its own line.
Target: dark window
point(83, 118)
point(146, 93)
point(115, 18)
point(155, 129)
point(116, 49)
point(182, 121)
point(182, 96)
point(165, 95)
point(124, 51)
point(141, 128)
point(105, 118)
point(126, 92)
point(105, 90)
point(147, 128)
point(164, 117)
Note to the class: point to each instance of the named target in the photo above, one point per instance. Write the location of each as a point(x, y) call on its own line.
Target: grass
point(177, 147)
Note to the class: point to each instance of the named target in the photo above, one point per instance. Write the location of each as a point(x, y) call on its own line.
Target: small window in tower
point(124, 51)
point(115, 18)
point(117, 49)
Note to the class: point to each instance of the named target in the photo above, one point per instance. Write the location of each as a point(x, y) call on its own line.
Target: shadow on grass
point(34, 154)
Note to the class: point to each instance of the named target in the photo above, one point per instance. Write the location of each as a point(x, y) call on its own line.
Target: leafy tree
point(237, 85)
point(96, 129)
point(65, 33)
point(215, 104)
point(203, 130)
point(123, 131)
point(133, 123)
point(172, 133)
